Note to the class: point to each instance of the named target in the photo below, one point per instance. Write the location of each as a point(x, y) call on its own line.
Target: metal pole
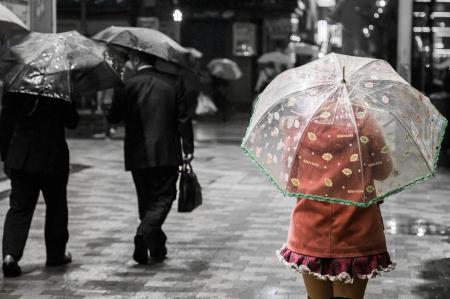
point(83, 17)
point(404, 41)
point(431, 44)
point(54, 17)
point(133, 12)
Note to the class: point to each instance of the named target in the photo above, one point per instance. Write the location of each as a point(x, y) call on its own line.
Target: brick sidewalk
point(225, 249)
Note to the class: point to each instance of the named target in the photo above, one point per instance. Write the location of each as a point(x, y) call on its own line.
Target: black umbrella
point(10, 24)
point(145, 40)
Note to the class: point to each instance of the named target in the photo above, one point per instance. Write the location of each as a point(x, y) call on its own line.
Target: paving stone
point(225, 248)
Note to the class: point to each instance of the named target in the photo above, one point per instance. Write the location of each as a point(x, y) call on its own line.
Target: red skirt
point(337, 269)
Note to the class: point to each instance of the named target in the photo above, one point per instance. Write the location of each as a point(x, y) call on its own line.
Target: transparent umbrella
point(59, 65)
point(344, 129)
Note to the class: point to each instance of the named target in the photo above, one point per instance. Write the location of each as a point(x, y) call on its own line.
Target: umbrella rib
point(404, 126)
point(322, 73)
point(310, 120)
point(387, 80)
point(285, 96)
point(363, 66)
point(357, 142)
point(377, 109)
point(380, 89)
point(371, 80)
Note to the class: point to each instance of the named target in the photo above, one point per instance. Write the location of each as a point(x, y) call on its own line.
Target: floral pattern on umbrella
point(352, 140)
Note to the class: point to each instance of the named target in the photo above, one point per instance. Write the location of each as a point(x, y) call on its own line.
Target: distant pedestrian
point(104, 97)
point(271, 64)
point(193, 87)
point(219, 88)
point(266, 74)
point(221, 72)
point(36, 159)
point(152, 106)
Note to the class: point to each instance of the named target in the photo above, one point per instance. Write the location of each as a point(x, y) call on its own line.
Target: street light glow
point(177, 15)
point(376, 15)
point(366, 32)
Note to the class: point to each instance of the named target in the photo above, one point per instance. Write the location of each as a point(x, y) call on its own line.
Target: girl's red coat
point(328, 163)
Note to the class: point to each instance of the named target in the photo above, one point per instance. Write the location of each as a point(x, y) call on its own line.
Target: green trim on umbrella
point(441, 138)
point(340, 200)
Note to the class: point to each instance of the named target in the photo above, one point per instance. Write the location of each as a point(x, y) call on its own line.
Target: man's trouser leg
point(54, 190)
point(22, 202)
point(156, 189)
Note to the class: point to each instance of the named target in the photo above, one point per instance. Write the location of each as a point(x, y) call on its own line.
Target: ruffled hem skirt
point(337, 269)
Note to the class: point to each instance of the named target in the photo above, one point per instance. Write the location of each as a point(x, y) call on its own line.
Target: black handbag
point(190, 191)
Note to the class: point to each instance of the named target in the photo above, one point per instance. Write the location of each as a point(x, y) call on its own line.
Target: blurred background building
point(243, 30)
point(38, 15)
point(413, 36)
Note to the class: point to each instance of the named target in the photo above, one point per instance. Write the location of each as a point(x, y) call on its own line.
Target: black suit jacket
point(32, 133)
point(157, 124)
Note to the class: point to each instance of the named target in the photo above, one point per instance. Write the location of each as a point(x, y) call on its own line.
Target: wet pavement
point(224, 249)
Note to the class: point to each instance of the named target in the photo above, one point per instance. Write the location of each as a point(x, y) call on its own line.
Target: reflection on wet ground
point(438, 273)
point(417, 227)
point(225, 249)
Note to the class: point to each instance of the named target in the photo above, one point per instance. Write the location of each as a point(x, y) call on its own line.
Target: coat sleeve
point(381, 161)
point(184, 120)
point(7, 121)
point(71, 117)
point(116, 111)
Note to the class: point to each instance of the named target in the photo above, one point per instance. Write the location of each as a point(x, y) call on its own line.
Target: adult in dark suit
point(152, 106)
point(36, 159)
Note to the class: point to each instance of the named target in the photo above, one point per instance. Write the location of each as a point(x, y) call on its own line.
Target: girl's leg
point(353, 290)
point(316, 288)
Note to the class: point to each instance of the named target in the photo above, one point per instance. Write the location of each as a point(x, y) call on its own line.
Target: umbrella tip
point(343, 75)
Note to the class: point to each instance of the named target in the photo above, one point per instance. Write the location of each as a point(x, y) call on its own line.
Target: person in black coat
point(36, 159)
point(157, 129)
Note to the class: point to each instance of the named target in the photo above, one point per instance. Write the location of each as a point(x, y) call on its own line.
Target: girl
point(338, 247)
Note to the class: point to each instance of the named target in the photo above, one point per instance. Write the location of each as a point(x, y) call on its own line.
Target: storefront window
point(94, 2)
point(367, 28)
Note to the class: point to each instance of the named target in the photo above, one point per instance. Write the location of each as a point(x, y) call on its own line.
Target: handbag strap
point(187, 167)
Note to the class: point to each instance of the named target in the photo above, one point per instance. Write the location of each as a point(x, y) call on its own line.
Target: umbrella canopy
point(59, 65)
point(224, 68)
point(282, 61)
point(10, 24)
point(344, 129)
point(194, 53)
point(145, 40)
